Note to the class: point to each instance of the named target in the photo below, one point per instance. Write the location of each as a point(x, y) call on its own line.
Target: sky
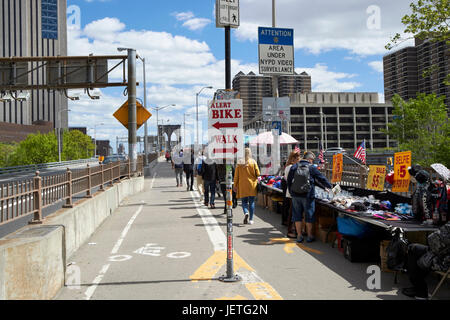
point(341, 44)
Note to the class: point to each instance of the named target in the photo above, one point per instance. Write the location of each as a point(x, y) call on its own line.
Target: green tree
point(6, 150)
point(421, 125)
point(430, 19)
point(76, 145)
point(36, 148)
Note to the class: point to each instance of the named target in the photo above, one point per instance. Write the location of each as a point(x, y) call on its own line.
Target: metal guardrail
point(29, 196)
point(34, 167)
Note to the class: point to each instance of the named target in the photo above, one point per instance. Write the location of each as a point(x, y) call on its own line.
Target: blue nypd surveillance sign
point(276, 51)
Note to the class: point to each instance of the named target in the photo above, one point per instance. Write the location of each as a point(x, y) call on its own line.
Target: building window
point(50, 19)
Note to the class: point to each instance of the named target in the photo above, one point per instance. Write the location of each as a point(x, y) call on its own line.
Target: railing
point(22, 198)
point(354, 175)
point(35, 167)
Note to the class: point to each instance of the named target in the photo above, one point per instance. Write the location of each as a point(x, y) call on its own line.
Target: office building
point(253, 88)
point(34, 28)
point(337, 119)
point(404, 70)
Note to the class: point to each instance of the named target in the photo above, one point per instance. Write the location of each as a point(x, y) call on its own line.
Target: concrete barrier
point(33, 259)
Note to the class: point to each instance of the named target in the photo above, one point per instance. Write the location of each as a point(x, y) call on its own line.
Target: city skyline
point(179, 38)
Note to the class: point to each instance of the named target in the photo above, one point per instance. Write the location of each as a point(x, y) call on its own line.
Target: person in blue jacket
point(304, 202)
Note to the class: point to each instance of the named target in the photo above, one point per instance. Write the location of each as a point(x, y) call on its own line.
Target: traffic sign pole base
point(234, 278)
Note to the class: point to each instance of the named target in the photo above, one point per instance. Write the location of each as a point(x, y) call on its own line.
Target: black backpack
point(397, 251)
point(301, 184)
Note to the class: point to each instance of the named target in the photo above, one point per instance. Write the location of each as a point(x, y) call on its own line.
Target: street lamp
point(95, 137)
point(184, 131)
point(157, 120)
point(58, 129)
point(318, 144)
point(145, 124)
point(196, 103)
point(326, 138)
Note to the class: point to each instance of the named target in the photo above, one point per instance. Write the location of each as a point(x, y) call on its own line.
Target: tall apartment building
point(254, 88)
point(338, 119)
point(34, 28)
point(404, 69)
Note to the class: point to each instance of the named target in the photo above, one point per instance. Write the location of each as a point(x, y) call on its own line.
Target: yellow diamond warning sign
point(142, 115)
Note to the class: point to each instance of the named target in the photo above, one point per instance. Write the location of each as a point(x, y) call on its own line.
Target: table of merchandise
point(407, 226)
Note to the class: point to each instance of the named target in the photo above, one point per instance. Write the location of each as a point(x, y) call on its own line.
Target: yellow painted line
point(263, 291)
point(209, 269)
point(240, 263)
point(289, 248)
point(290, 244)
point(238, 297)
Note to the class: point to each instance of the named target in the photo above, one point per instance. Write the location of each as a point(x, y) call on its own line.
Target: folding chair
point(444, 276)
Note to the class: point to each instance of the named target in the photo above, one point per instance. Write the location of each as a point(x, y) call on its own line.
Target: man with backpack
point(302, 178)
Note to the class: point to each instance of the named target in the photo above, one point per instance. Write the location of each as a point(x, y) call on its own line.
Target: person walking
point(245, 184)
point(177, 165)
point(209, 175)
point(198, 172)
point(188, 169)
point(294, 158)
point(301, 185)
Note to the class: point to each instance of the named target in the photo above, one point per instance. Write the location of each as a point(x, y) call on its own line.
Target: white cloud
point(177, 68)
point(324, 80)
point(328, 24)
point(376, 65)
point(190, 21)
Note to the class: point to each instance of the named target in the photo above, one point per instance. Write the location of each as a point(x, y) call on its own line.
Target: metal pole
point(95, 141)
point(145, 124)
point(157, 129)
point(230, 276)
point(132, 140)
point(276, 137)
point(196, 121)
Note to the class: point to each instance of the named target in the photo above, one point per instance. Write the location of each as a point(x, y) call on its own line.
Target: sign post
point(226, 141)
point(227, 16)
point(401, 175)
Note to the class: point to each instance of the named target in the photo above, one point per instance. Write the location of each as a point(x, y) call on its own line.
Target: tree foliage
point(421, 125)
point(43, 148)
point(430, 19)
point(6, 150)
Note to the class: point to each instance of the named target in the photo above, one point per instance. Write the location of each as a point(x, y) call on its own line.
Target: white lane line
point(153, 181)
point(215, 233)
point(125, 231)
point(90, 291)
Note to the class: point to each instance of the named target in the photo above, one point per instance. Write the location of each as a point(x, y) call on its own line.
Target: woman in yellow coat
point(245, 184)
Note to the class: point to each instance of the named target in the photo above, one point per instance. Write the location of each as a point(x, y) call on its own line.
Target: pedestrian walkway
point(164, 244)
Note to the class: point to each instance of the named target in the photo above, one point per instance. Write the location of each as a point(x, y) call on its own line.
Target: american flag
point(321, 154)
point(361, 152)
point(297, 149)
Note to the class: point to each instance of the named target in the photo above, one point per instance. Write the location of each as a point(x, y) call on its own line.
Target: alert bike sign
point(375, 180)
point(402, 161)
point(225, 129)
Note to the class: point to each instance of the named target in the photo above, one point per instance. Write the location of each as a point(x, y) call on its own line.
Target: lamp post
point(58, 129)
point(318, 144)
point(184, 130)
point(157, 120)
point(95, 137)
point(326, 138)
point(196, 118)
point(145, 124)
